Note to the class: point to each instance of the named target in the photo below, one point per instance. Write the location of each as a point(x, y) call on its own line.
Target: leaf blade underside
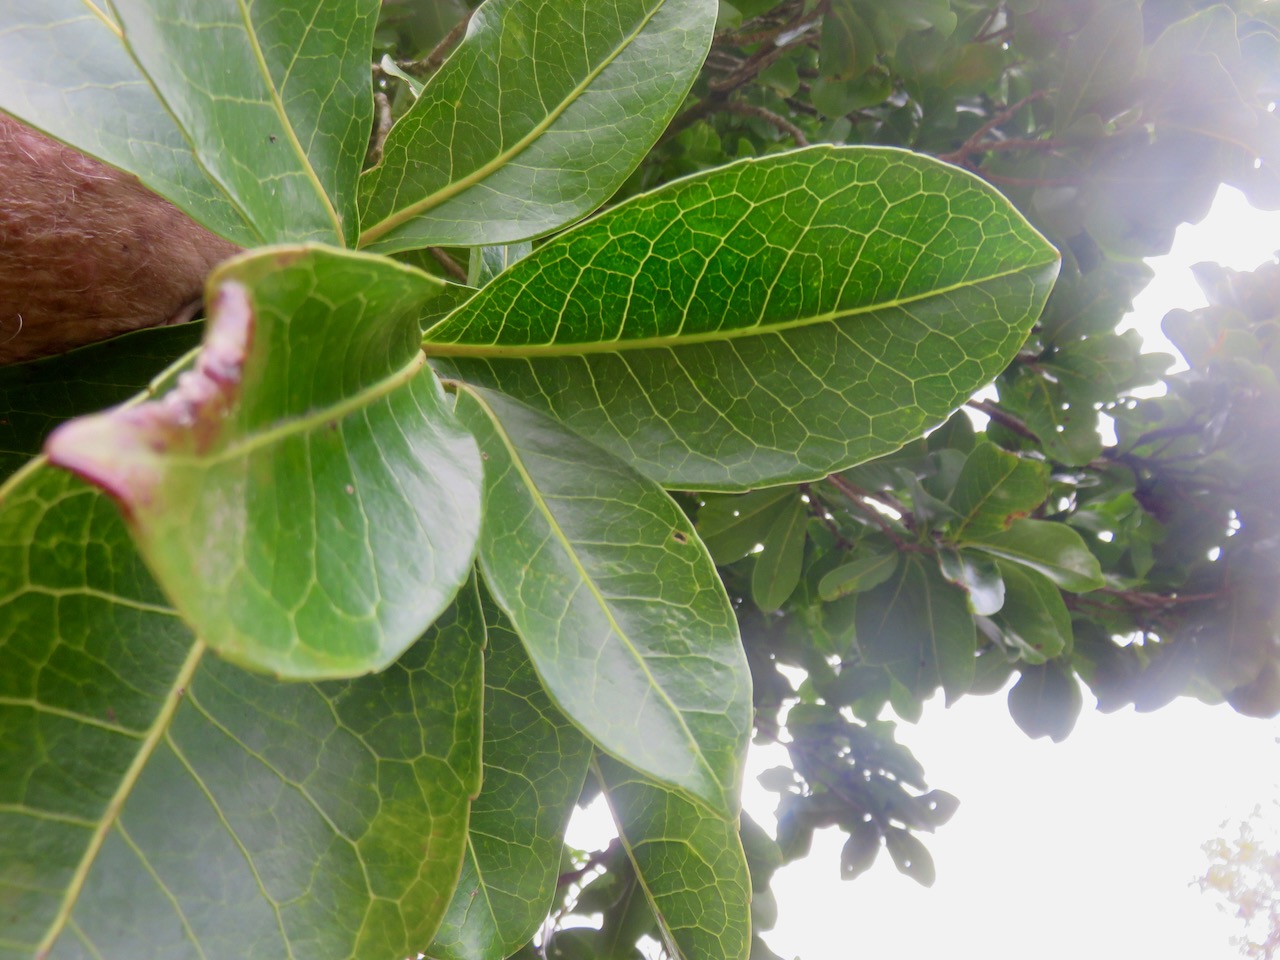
point(675, 333)
point(615, 598)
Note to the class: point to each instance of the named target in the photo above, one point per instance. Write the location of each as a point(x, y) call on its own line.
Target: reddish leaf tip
point(119, 450)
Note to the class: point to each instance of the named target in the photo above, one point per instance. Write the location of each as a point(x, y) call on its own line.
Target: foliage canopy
point(311, 644)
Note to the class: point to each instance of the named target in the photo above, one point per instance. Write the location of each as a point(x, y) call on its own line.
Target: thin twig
point(451, 266)
point(782, 123)
point(431, 62)
point(859, 498)
point(381, 127)
point(1004, 418)
point(975, 143)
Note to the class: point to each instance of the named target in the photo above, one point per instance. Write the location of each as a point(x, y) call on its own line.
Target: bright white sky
point(1084, 849)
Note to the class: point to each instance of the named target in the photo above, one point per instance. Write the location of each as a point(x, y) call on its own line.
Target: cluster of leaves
point(492, 531)
point(1036, 548)
point(428, 517)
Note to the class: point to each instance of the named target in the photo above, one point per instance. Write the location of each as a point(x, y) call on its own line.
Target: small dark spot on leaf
point(679, 536)
point(350, 489)
point(332, 424)
point(271, 137)
point(483, 455)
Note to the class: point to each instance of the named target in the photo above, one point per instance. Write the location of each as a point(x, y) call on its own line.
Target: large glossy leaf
point(65, 70)
point(1053, 549)
point(689, 862)
point(534, 765)
point(304, 494)
point(275, 100)
point(534, 121)
point(615, 598)
point(157, 803)
point(920, 627)
point(35, 397)
point(771, 320)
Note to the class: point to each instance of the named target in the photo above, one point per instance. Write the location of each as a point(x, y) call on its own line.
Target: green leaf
point(1034, 618)
point(731, 527)
point(771, 320)
point(534, 765)
point(910, 856)
point(860, 850)
point(534, 121)
point(977, 576)
point(1068, 431)
point(63, 69)
point(615, 598)
point(848, 47)
point(1046, 701)
point(690, 863)
point(157, 802)
point(275, 101)
point(919, 626)
point(777, 568)
point(857, 575)
point(304, 494)
point(35, 397)
point(1053, 549)
point(1100, 63)
point(995, 486)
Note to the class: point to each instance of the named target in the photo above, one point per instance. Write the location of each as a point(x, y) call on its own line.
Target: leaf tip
point(119, 450)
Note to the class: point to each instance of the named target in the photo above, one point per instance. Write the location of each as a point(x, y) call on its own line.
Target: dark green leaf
point(678, 332)
point(534, 121)
point(1054, 549)
point(910, 856)
point(156, 802)
point(731, 527)
point(288, 492)
point(615, 598)
point(35, 397)
point(1046, 701)
point(861, 574)
point(777, 568)
point(1034, 619)
point(534, 764)
point(919, 626)
point(848, 45)
point(690, 864)
point(74, 49)
point(994, 487)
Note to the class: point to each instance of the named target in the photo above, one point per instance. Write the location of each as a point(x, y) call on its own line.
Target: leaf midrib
point(448, 192)
point(154, 735)
point(559, 534)
point(334, 413)
point(618, 345)
point(287, 126)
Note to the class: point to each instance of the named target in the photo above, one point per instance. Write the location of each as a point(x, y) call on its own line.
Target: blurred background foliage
point(1107, 522)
